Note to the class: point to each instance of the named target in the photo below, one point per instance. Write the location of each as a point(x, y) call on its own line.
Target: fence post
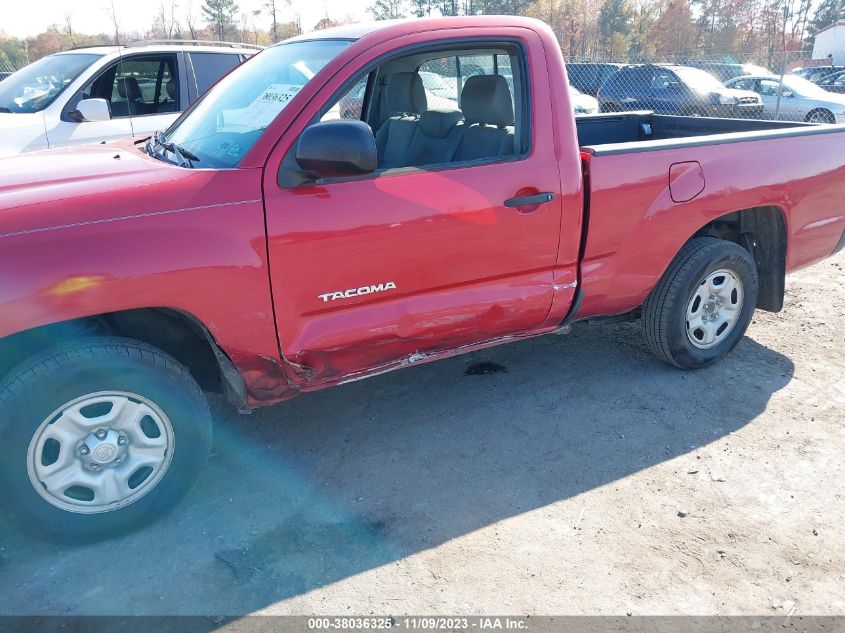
point(780, 84)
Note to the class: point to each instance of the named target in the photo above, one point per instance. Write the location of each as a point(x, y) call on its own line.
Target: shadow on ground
point(346, 480)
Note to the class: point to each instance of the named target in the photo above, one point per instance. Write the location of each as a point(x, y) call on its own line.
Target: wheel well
point(177, 333)
point(761, 230)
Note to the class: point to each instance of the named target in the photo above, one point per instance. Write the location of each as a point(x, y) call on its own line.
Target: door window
point(458, 121)
point(351, 104)
point(143, 86)
point(664, 80)
point(745, 84)
point(769, 88)
point(137, 86)
point(209, 67)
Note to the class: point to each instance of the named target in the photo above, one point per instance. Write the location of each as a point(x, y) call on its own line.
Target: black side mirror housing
point(337, 149)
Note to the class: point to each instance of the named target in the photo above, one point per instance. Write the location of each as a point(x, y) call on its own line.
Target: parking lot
point(586, 478)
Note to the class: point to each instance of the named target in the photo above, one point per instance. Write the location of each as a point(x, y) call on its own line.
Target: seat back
point(437, 138)
point(169, 105)
point(488, 110)
point(405, 100)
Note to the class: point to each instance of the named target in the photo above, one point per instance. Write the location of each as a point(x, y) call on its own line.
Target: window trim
point(447, 45)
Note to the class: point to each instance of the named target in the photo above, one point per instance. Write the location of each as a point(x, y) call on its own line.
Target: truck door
point(443, 250)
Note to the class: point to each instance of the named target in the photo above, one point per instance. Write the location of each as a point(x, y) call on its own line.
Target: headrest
point(439, 123)
point(171, 89)
point(406, 94)
point(127, 88)
point(487, 99)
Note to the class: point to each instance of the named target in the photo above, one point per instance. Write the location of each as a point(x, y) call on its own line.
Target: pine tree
point(615, 25)
point(220, 15)
point(421, 8)
point(828, 12)
point(388, 9)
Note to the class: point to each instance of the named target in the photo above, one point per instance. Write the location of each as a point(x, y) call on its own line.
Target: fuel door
point(686, 181)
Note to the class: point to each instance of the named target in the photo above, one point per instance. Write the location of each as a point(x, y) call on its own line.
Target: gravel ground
point(586, 478)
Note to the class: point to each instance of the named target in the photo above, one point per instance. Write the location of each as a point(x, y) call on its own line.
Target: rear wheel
point(103, 435)
point(820, 116)
point(703, 304)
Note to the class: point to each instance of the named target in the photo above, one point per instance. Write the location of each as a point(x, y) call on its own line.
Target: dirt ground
point(588, 478)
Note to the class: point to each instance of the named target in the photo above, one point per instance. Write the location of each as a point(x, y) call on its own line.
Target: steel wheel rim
point(714, 308)
point(100, 452)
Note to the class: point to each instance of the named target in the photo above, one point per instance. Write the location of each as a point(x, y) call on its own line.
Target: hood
point(21, 132)
point(738, 94)
point(35, 188)
point(585, 103)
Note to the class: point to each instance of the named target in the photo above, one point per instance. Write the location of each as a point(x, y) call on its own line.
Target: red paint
point(102, 228)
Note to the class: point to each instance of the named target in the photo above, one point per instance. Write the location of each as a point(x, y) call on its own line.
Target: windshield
point(804, 88)
point(34, 87)
point(228, 121)
point(698, 79)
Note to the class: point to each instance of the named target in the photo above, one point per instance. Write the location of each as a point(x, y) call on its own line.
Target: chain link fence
point(7, 68)
point(767, 85)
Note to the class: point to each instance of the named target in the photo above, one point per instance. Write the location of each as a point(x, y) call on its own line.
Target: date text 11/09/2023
point(455, 624)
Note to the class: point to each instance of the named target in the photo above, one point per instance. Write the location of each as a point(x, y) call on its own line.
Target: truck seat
point(128, 89)
point(436, 139)
point(488, 110)
point(405, 99)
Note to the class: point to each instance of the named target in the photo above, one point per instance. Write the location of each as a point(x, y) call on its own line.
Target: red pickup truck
point(320, 216)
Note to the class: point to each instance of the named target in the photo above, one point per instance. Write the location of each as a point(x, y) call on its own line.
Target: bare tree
point(68, 30)
point(115, 22)
point(190, 20)
point(166, 21)
point(270, 5)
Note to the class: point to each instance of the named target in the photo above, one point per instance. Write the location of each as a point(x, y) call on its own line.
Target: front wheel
point(102, 435)
point(703, 304)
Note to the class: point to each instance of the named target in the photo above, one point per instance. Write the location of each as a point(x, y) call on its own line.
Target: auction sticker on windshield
point(264, 108)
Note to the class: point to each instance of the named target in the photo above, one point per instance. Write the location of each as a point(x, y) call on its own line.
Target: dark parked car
point(676, 90)
point(834, 82)
point(817, 73)
point(723, 72)
point(589, 76)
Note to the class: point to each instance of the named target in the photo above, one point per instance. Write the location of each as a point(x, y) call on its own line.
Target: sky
point(23, 19)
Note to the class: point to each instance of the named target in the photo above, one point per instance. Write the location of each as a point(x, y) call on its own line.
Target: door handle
point(529, 201)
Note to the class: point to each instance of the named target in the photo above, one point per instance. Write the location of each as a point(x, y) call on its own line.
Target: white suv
point(107, 92)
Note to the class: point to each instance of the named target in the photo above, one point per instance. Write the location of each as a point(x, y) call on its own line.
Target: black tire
point(820, 115)
point(664, 312)
point(59, 375)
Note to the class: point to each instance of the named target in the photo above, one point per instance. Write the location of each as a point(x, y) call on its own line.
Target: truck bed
point(688, 172)
point(637, 131)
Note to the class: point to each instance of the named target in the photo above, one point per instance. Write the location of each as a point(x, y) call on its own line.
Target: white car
point(101, 93)
point(581, 103)
point(800, 100)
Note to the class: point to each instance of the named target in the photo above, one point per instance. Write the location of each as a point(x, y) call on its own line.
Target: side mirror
point(788, 94)
point(93, 110)
point(334, 149)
